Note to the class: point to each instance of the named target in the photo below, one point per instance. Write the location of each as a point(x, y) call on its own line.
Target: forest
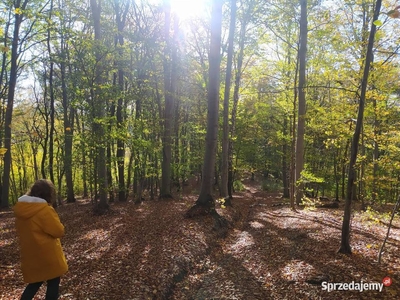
point(206, 149)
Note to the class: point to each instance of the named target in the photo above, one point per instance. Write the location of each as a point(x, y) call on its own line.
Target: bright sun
point(189, 8)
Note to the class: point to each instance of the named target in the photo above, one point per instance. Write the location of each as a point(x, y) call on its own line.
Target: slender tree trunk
point(129, 175)
point(395, 208)
point(361, 181)
point(344, 159)
point(336, 175)
point(170, 57)
point(285, 177)
point(224, 193)
point(82, 148)
point(52, 108)
point(345, 240)
point(238, 77)
point(375, 154)
point(68, 129)
point(121, 20)
point(301, 120)
point(109, 162)
point(287, 172)
point(293, 143)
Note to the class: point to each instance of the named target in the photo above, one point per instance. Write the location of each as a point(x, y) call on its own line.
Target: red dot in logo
point(387, 281)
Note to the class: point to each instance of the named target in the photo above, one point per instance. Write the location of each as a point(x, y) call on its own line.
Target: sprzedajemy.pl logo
point(356, 286)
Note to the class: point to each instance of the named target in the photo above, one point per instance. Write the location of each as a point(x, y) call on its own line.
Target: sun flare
point(189, 8)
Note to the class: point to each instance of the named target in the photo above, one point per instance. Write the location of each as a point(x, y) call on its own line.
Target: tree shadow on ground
point(297, 251)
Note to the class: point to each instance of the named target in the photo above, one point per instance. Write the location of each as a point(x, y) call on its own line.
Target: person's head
point(44, 189)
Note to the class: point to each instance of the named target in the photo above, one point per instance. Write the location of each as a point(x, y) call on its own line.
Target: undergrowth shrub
point(271, 186)
point(238, 186)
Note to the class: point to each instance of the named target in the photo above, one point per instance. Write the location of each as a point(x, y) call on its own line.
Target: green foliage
point(238, 186)
point(266, 113)
point(375, 217)
point(307, 176)
point(271, 185)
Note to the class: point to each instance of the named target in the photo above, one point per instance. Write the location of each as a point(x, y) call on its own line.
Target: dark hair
point(44, 189)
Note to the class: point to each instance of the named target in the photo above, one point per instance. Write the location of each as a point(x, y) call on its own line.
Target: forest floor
point(150, 251)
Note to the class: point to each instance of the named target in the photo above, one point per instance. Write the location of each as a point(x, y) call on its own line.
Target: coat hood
point(28, 206)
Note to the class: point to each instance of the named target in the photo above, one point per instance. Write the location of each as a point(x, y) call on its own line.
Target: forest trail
point(150, 251)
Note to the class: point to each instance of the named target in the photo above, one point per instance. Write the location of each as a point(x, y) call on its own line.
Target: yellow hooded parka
point(39, 230)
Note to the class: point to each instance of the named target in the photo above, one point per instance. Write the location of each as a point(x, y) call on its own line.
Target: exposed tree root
point(198, 210)
point(221, 224)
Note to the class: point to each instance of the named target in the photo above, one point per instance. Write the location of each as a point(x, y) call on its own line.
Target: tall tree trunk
point(293, 142)
point(52, 108)
point(287, 171)
point(205, 204)
point(170, 76)
point(99, 107)
point(345, 239)
point(45, 115)
point(10, 103)
point(336, 173)
point(82, 148)
point(121, 20)
point(238, 78)
point(375, 154)
point(285, 176)
point(301, 120)
point(68, 118)
point(224, 193)
point(109, 151)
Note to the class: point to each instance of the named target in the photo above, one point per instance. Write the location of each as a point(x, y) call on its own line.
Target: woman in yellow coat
point(39, 230)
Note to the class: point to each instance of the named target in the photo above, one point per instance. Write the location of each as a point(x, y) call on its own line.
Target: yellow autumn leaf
point(68, 129)
point(3, 151)
point(18, 11)
point(223, 206)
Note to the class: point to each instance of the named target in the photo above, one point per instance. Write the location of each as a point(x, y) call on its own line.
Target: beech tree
point(224, 192)
point(68, 109)
point(345, 240)
point(205, 203)
point(121, 12)
point(170, 75)
point(301, 119)
point(99, 111)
